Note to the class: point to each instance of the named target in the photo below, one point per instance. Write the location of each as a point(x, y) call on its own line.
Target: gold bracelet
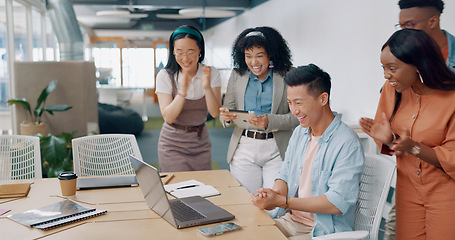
point(181, 94)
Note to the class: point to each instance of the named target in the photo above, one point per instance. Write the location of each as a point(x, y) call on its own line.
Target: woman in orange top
point(415, 121)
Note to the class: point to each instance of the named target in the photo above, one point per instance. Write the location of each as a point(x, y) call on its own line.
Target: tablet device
point(242, 119)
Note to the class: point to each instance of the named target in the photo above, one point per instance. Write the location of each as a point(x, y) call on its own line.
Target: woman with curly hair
point(261, 61)
point(186, 91)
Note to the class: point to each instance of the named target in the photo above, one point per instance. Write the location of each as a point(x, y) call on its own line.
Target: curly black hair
point(276, 47)
point(438, 4)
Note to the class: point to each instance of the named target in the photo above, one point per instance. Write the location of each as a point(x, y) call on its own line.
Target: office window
point(108, 57)
point(138, 70)
point(106, 54)
point(20, 32)
point(51, 40)
point(37, 36)
point(4, 75)
point(161, 55)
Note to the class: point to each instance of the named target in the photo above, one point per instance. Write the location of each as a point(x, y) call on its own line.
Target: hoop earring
point(421, 79)
point(271, 64)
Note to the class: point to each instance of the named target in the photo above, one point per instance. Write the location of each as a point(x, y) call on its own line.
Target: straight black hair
point(172, 66)
point(417, 48)
point(316, 79)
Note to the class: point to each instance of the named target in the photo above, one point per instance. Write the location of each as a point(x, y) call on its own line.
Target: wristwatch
point(415, 150)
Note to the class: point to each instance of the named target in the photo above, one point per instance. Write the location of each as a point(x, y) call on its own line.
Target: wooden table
point(129, 217)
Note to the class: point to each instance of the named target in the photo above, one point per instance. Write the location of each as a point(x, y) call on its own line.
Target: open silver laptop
point(181, 212)
point(106, 181)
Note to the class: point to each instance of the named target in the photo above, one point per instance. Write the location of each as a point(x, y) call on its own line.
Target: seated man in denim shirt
point(319, 180)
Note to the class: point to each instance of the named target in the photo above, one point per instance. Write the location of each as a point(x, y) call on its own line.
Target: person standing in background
point(415, 121)
point(261, 60)
point(425, 15)
point(186, 91)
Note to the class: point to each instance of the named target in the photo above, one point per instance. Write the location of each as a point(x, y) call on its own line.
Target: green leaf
point(38, 112)
point(21, 101)
point(57, 108)
point(68, 137)
point(67, 164)
point(53, 149)
point(46, 91)
point(56, 152)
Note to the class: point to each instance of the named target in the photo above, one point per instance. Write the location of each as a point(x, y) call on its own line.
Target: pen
point(189, 186)
point(162, 176)
point(169, 178)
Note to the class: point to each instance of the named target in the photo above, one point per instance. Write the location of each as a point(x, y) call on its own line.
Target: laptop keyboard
point(183, 212)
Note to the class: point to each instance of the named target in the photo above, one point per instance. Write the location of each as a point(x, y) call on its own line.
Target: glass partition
point(4, 76)
point(37, 36)
point(20, 32)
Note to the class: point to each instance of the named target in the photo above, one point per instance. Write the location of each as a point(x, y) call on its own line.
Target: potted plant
point(56, 153)
point(34, 125)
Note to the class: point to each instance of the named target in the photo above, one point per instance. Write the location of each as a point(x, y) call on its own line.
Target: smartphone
point(219, 229)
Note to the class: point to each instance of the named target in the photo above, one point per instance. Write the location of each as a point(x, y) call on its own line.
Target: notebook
point(55, 215)
point(191, 188)
point(106, 181)
point(179, 212)
point(14, 190)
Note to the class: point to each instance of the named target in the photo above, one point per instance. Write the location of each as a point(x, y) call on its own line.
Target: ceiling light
point(94, 21)
point(207, 13)
point(120, 14)
point(172, 16)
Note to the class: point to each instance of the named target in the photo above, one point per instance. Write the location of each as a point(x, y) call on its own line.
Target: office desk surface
point(157, 229)
point(129, 217)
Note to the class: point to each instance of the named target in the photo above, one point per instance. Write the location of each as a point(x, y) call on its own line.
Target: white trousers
point(256, 163)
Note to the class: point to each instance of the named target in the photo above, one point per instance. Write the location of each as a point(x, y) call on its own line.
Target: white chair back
point(20, 158)
point(104, 154)
point(374, 189)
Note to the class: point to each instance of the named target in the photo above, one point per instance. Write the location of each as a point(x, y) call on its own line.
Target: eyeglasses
point(409, 24)
point(181, 55)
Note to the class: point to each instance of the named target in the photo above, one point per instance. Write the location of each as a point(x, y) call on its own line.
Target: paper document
point(191, 188)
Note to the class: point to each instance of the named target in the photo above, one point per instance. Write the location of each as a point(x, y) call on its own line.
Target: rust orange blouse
point(430, 119)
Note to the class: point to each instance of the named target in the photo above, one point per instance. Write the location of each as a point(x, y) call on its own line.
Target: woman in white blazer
point(261, 61)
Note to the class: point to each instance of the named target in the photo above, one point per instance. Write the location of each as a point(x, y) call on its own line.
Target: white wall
point(342, 37)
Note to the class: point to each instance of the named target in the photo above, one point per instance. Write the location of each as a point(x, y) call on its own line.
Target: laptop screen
point(150, 182)
point(185, 212)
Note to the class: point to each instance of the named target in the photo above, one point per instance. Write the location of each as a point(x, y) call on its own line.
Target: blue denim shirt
point(451, 45)
point(258, 95)
point(337, 169)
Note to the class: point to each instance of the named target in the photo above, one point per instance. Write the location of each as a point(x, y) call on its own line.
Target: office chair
point(104, 154)
point(20, 158)
point(374, 189)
